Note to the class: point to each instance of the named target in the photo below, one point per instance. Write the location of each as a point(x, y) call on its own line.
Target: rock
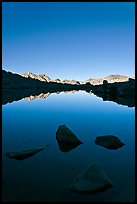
point(132, 80)
point(109, 142)
point(64, 134)
point(105, 82)
point(23, 154)
point(88, 83)
point(47, 145)
point(77, 82)
point(91, 180)
point(67, 146)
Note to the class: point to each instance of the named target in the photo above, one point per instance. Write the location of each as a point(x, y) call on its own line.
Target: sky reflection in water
point(32, 124)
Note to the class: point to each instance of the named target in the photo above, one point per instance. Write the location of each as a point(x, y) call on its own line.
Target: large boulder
point(109, 142)
point(91, 180)
point(64, 134)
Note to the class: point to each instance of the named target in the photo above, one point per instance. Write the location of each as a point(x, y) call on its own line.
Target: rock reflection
point(66, 146)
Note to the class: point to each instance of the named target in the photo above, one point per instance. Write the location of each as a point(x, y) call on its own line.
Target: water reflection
point(46, 177)
point(9, 96)
point(41, 95)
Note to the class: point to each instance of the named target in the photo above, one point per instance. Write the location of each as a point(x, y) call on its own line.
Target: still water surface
point(47, 176)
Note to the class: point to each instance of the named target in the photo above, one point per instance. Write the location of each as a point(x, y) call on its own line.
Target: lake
point(47, 176)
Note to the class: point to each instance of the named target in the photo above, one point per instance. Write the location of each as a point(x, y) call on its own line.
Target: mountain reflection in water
point(11, 95)
point(48, 176)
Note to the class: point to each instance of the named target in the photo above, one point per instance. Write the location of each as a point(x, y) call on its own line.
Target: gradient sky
point(69, 40)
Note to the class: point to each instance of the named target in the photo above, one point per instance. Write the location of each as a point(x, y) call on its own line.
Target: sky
point(70, 40)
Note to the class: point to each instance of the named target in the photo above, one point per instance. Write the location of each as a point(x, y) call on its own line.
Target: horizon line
point(129, 76)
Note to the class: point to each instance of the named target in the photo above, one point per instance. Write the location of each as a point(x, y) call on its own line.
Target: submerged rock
point(64, 134)
point(23, 154)
point(91, 180)
point(109, 142)
point(67, 146)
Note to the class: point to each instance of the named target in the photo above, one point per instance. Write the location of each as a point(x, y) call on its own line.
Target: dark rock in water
point(67, 146)
point(47, 145)
point(23, 154)
point(109, 142)
point(64, 134)
point(91, 180)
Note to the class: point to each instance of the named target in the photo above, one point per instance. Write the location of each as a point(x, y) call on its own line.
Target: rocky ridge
point(110, 79)
point(41, 77)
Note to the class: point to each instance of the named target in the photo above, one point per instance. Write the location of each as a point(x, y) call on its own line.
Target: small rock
point(23, 154)
point(109, 142)
point(91, 180)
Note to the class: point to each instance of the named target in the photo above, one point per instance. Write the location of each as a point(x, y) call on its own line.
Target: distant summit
point(111, 79)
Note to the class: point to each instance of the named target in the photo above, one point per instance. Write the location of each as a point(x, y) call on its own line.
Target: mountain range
point(110, 79)
point(29, 86)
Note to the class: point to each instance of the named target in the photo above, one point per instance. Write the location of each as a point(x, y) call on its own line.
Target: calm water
point(47, 175)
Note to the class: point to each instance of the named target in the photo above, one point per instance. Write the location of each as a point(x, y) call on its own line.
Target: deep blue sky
point(69, 40)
